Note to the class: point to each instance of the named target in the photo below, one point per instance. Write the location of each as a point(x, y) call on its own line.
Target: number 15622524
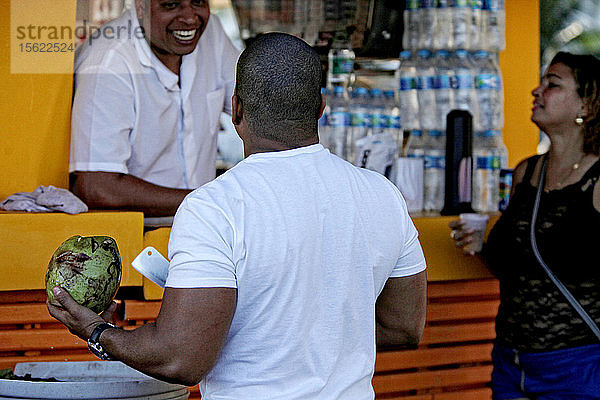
point(46, 47)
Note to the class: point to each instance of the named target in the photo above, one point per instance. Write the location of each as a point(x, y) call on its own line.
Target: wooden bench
point(28, 333)
point(452, 361)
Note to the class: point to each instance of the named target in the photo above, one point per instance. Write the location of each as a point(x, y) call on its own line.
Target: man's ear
point(237, 110)
point(322, 105)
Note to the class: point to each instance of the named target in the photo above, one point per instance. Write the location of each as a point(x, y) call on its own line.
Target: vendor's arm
point(111, 190)
point(401, 309)
point(180, 347)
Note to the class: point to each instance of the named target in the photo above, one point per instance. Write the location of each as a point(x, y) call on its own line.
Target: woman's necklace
point(559, 183)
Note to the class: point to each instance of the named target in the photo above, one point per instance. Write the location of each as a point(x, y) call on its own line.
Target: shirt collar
point(313, 148)
point(148, 59)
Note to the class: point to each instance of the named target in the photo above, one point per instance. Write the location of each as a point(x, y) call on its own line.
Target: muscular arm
point(180, 347)
point(401, 309)
point(109, 190)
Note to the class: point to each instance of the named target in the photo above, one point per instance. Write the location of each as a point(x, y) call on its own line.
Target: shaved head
point(278, 83)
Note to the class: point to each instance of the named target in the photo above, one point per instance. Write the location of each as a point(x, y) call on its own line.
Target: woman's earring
point(579, 120)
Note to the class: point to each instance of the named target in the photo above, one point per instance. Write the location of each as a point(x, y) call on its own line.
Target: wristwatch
point(93, 342)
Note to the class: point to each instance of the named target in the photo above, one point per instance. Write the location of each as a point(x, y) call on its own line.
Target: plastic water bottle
point(411, 186)
point(340, 61)
point(410, 39)
point(489, 157)
point(460, 12)
point(494, 17)
point(394, 123)
point(377, 112)
point(323, 121)
point(499, 111)
point(442, 39)
point(476, 25)
point(488, 86)
point(485, 82)
point(444, 94)
point(406, 76)
point(426, 90)
point(434, 175)
point(427, 25)
point(360, 118)
point(339, 122)
point(464, 85)
point(415, 144)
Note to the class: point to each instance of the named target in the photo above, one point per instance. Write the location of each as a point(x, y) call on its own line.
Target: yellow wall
point(520, 69)
point(34, 107)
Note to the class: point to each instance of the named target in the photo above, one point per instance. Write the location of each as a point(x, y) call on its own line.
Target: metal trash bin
point(97, 380)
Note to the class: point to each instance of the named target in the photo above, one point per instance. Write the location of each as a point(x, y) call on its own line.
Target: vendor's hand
point(80, 320)
point(461, 236)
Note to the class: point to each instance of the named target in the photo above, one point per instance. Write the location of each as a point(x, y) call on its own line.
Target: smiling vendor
point(146, 106)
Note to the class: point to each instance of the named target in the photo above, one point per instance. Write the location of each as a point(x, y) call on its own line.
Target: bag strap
point(565, 292)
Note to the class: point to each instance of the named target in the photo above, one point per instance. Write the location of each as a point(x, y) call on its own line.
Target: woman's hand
point(461, 235)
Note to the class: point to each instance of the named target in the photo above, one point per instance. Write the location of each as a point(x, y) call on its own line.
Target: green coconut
point(89, 268)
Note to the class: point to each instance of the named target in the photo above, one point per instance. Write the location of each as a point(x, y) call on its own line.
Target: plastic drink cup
point(477, 223)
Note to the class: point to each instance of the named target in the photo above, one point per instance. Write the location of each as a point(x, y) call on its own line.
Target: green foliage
point(569, 25)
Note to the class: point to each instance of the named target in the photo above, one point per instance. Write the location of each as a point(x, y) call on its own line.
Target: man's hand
point(80, 320)
point(180, 347)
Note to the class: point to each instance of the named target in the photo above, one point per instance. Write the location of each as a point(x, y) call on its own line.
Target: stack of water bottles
point(358, 124)
point(451, 62)
point(454, 24)
point(362, 126)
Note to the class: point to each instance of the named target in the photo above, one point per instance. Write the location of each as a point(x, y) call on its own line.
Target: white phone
point(152, 265)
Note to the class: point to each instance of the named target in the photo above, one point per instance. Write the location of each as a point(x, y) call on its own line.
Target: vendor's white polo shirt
point(131, 116)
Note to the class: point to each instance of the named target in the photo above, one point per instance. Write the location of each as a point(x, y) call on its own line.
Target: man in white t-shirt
point(150, 87)
point(287, 270)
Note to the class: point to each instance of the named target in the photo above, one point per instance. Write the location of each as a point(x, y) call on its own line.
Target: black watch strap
point(93, 342)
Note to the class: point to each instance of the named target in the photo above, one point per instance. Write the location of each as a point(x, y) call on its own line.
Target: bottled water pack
point(489, 157)
point(408, 101)
point(454, 24)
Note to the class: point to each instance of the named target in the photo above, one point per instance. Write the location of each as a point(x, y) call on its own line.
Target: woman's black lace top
point(533, 315)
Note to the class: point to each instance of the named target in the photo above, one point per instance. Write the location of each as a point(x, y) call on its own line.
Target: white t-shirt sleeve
point(411, 260)
point(102, 118)
point(200, 246)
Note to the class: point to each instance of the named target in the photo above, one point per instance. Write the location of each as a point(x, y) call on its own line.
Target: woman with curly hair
point(543, 348)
